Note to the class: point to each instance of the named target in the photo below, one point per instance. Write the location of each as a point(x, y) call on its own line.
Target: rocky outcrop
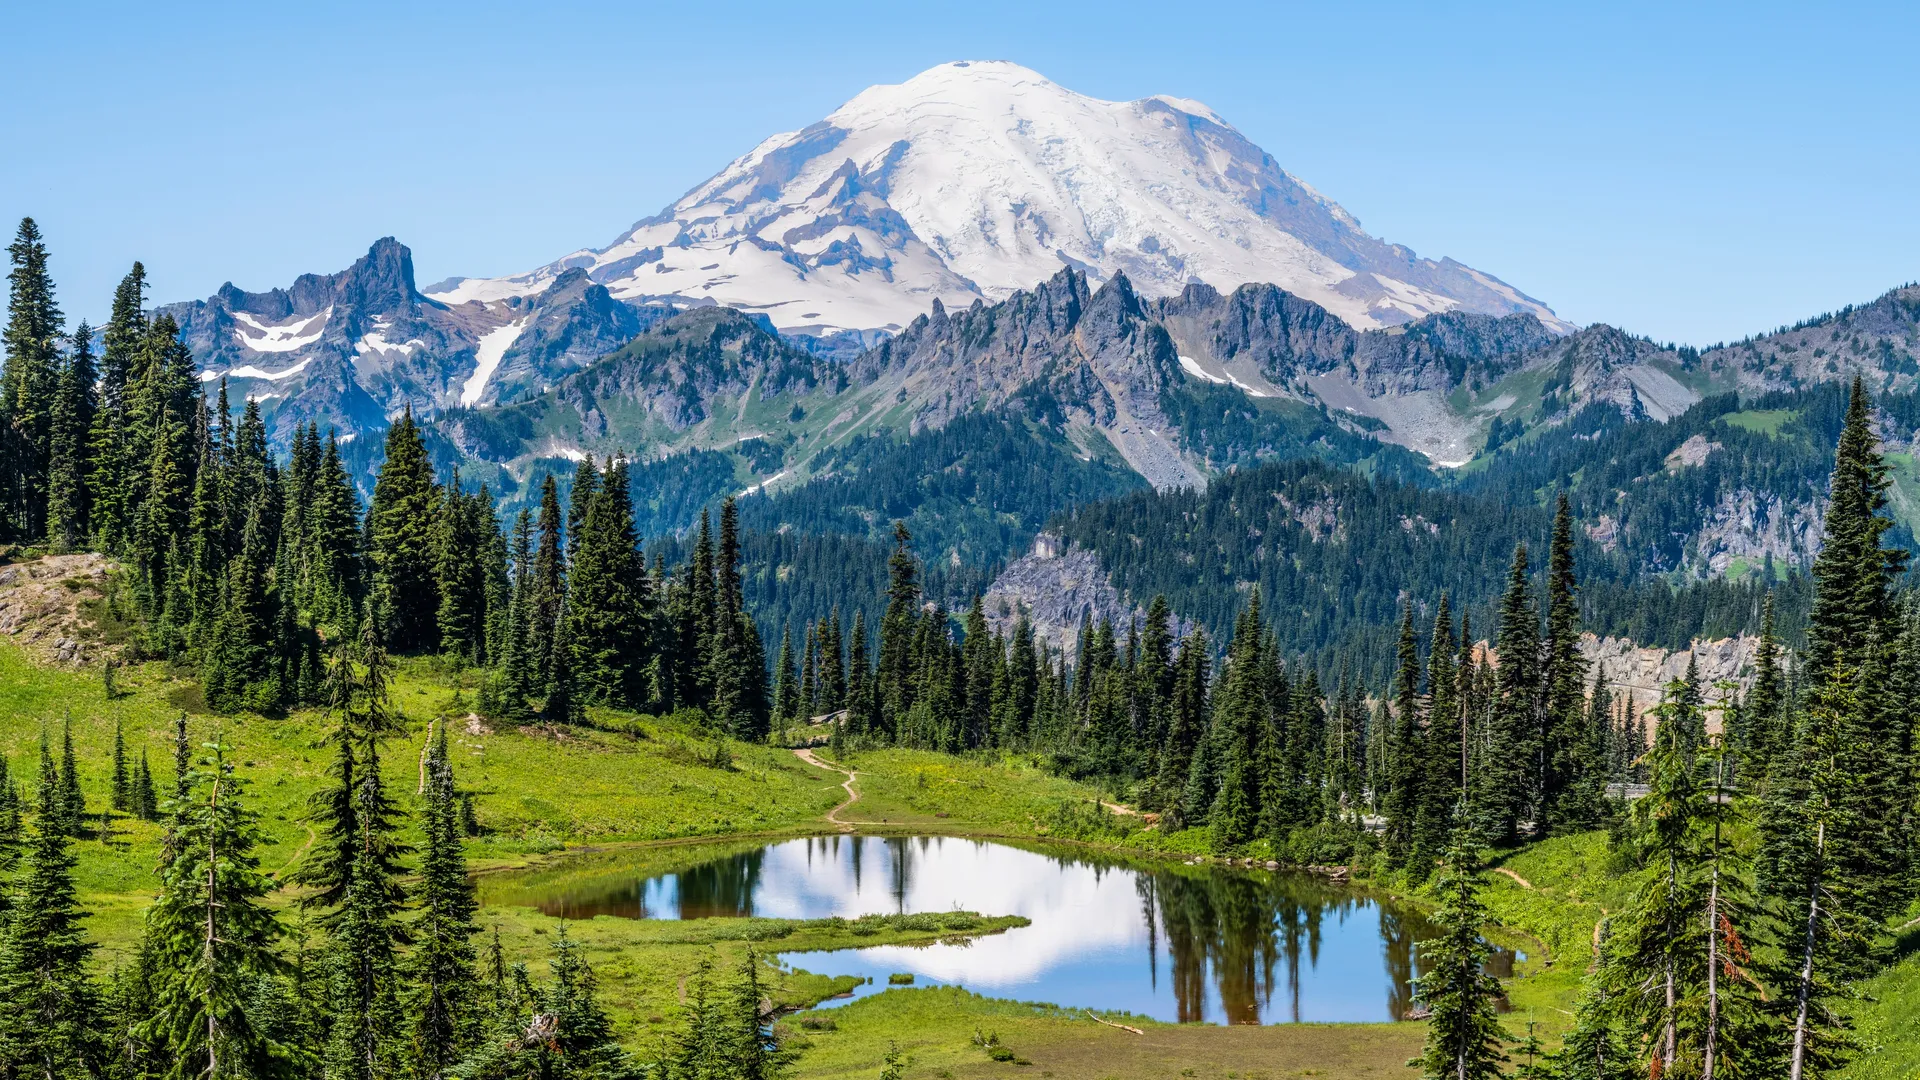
point(1756, 526)
point(43, 606)
point(1640, 673)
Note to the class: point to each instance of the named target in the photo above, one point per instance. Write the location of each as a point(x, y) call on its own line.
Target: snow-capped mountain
point(350, 349)
point(974, 180)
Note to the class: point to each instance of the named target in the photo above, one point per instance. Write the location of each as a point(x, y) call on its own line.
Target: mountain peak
point(979, 178)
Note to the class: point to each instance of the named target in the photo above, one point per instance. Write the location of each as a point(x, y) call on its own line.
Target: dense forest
point(265, 575)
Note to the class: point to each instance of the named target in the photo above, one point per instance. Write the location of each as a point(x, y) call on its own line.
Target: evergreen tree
point(1570, 775)
point(213, 937)
point(29, 382)
point(1820, 875)
point(400, 532)
point(607, 598)
point(72, 803)
point(1506, 786)
point(1661, 957)
point(70, 456)
point(47, 1026)
point(122, 798)
point(146, 800)
point(893, 694)
point(1406, 752)
point(1594, 1050)
point(1437, 772)
point(444, 988)
point(548, 586)
point(1464, 1035)
point(459, 537)
point(787, 705)
point(365, 994)
point(115, 456)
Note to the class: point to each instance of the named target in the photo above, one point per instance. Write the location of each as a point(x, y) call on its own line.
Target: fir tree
point(365, 994)
point(146, 800)
point(122, 798)
point(29, 380)
point(786, 692)
point(214, 938)
point(1406, 753)
point(1505, 789)
point(72, 803)
point(607, 598)
point(547, 587)
point(115, 455)
point(1464, 1035)
point(444, 987)
point(47, 1027)
point(70, 456)
point(400, 531)
point(1569, 774)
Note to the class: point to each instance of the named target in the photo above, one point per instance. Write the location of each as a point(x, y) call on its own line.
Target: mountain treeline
point(1336, 555)
point(1769, 859)
point(250, 568)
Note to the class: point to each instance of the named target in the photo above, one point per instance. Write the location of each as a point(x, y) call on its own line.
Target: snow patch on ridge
point(248, 371)
point(487, 355)
point(285, 337)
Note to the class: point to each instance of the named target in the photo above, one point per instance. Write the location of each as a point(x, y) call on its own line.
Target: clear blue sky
point(1692, 172)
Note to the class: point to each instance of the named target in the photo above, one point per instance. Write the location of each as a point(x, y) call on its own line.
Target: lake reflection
point(1182, 943)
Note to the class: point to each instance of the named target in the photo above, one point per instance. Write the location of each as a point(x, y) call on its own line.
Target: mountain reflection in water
point(1175, 942)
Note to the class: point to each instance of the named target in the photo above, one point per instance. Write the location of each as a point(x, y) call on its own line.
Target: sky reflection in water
point(1185, 943)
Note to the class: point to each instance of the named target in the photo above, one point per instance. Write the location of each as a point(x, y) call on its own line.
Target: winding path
point(853, 795)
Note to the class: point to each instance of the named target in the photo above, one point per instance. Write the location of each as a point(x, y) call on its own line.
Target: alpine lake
point(1173, 941)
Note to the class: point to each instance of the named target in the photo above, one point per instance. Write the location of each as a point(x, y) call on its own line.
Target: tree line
point(250, 567)
point(1769, 857)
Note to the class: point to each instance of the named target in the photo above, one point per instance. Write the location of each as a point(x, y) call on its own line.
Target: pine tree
point(563, 704)
point(786, 691)
point(214, 938)
point(70, 456)
point(583, 1032)
point(756, 1055)
point(1464, 1035)
point(1763, 713)
point(122, 798)
point(1819, 874)
point(1661, 957)
point(1569, 774)
point(400, 531)
point(1506, 786)
point(893, 674)
point(608, 598)
point(72, 809)
point(1439, 770)
point(547, 587)
point(444, 989)
point(28, 382)
point(336, 582)
point(459, 538)
point(114, 449)
point(365, 993)
point(146, 800)
point(1594, 1050)
point(1406, 751)
point(47, 1027)
point(1852, 574)
point(1239, 708)
point(586, 484)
